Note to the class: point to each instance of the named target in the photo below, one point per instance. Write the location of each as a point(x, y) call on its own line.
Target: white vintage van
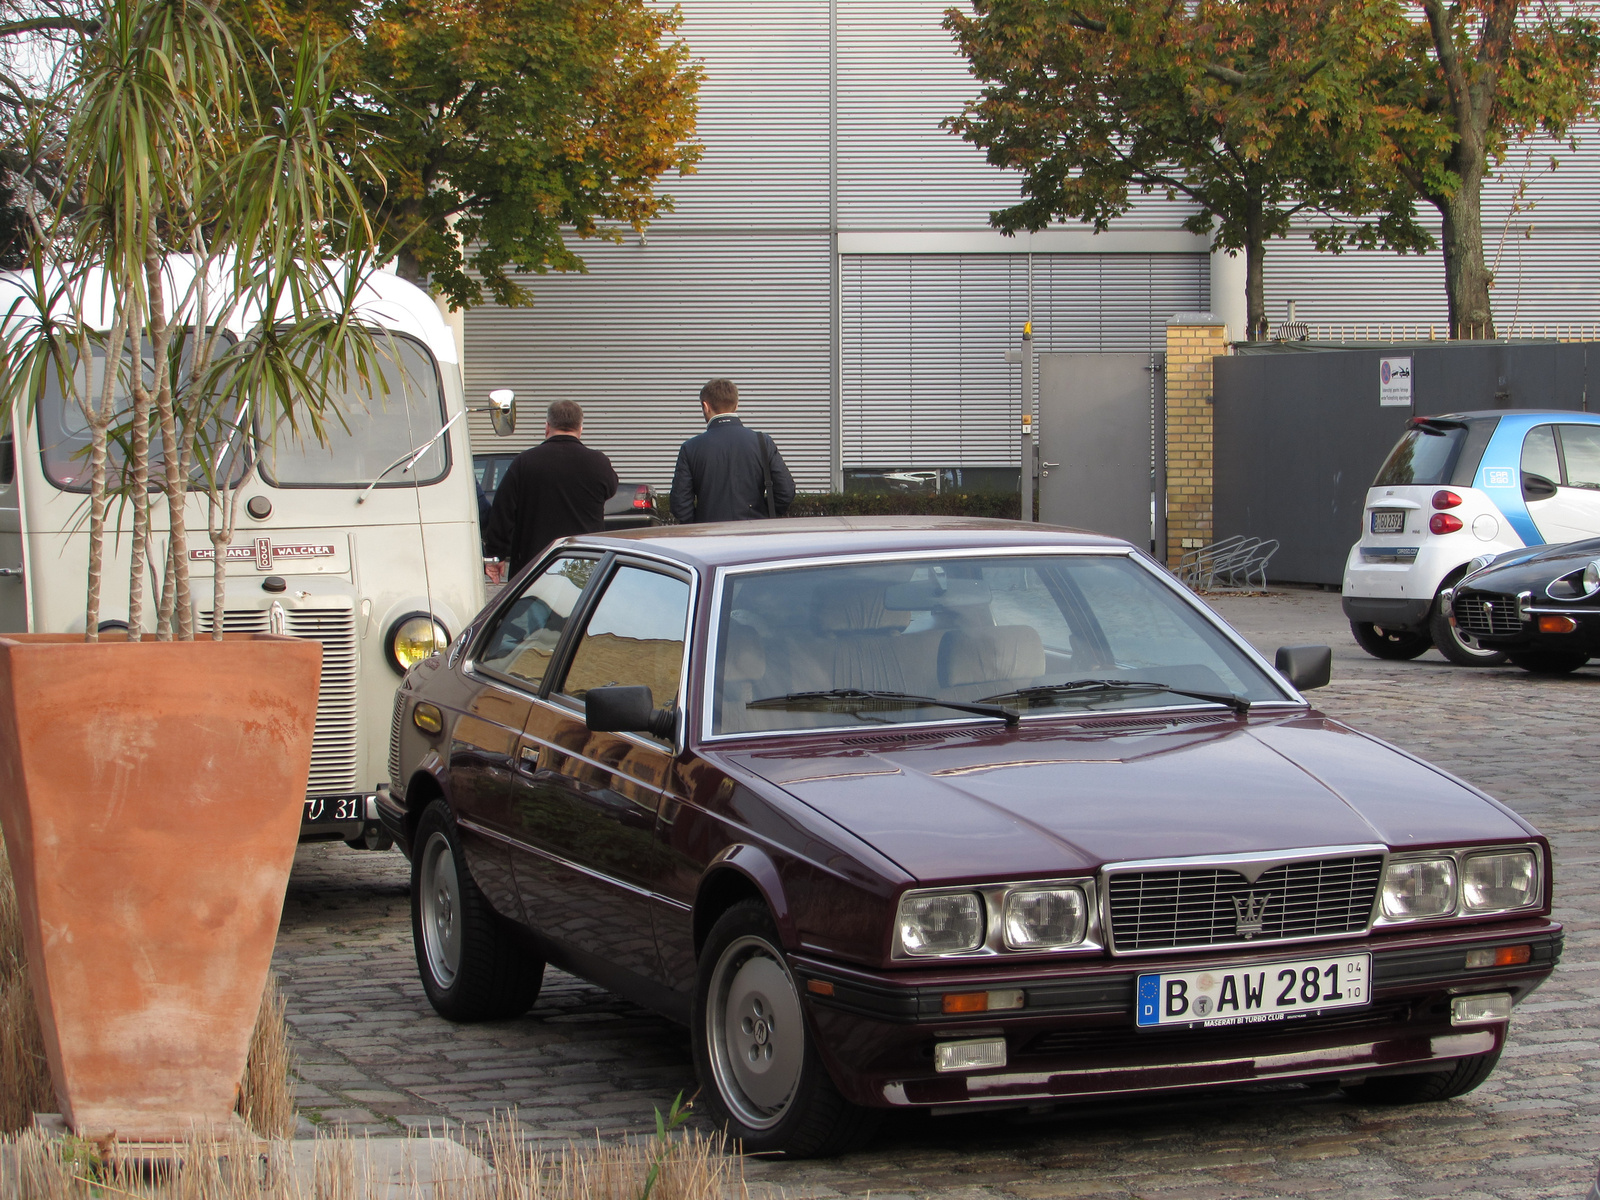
point(370, 544)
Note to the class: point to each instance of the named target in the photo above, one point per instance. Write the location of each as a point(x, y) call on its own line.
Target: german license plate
point(1259, 992)
point(320, 809)
point(1388, 520)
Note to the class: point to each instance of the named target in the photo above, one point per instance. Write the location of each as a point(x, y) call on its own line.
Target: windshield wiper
point(410, 457)
point(858, 699)
point(1043, 691)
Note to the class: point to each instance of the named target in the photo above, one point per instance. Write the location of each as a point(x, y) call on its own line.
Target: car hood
point(1042, 800)
point(1533, 569)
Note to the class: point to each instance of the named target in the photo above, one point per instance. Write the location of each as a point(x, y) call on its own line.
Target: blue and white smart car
point(1458, 488)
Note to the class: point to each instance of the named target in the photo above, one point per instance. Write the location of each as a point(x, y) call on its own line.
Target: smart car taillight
point(1446, 499)
point(1443, 523)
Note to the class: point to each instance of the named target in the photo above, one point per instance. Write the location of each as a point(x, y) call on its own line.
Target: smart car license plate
point(1258, 992)
point(1388, 520)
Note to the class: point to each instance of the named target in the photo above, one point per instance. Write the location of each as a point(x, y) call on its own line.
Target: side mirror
point(619, 709)
point(1305, 667)
point(503, 411)
point(1537, 487)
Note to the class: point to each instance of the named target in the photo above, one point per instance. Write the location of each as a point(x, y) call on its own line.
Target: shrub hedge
point(1006, 505)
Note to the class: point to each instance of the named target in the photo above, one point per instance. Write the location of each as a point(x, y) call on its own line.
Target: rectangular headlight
point(942, 923)
point(1500, 881)
point(1419, 887)
point(1045, 918)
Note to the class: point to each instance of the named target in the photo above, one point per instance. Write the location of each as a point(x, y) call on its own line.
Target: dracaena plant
point(189, 208)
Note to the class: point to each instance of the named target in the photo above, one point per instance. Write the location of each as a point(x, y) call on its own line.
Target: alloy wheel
point(755, 1032)
point(440, 898)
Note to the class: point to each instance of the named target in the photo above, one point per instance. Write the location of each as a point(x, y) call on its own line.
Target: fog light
point(1501, 956)
point(1476, 1010)
point(972, 1055)
point(1556, 624)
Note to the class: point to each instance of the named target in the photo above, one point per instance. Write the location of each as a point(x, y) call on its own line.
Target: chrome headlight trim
point(995, 898)
point(1460, 855)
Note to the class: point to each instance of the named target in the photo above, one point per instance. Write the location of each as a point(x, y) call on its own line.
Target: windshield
point(385, 421)
point(64, 432)
point(797, 649)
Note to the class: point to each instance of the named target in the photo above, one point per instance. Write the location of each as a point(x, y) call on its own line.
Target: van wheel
point(1460, 649)
point(473, 965)
point(1461, 1078)
point(1548, 662)
point(1389, 643)
point(763, 1080)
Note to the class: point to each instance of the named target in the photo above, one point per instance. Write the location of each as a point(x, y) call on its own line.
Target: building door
point(1100, 426)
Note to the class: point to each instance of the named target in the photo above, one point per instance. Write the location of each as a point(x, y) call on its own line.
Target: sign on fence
point(1394, 382)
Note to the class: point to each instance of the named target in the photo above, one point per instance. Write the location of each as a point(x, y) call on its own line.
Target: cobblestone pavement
point(374, 1056)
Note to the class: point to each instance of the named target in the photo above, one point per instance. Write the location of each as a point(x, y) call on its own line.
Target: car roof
point(1566, 414)
point(737, 543)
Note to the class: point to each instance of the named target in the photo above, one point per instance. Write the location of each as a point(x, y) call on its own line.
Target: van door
point(13, 583)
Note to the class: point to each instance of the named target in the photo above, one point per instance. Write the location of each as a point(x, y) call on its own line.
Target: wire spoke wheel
point(755, 1032)
point(440, 898)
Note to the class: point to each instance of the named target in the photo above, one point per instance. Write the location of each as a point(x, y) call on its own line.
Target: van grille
point(1480, 614)
point(1205, 906)
point(394, 739)
point(335, 744)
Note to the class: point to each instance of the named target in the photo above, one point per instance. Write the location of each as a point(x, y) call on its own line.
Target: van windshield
point(383, 421)
point(64, 434)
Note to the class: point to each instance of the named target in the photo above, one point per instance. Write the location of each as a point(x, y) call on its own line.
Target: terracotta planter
point(151, 797)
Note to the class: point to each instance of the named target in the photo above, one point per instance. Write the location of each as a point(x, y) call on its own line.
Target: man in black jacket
point(729, 473)
point(558, 488)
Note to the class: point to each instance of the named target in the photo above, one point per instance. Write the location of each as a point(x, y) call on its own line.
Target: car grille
point(394, 738)
point(1162, 909)
point(334, 745)
point(1127, 1040)
point(1481, 614)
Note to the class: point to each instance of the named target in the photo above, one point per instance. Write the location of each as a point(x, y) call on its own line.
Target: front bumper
point(1522, 632)
point(1075, 1038)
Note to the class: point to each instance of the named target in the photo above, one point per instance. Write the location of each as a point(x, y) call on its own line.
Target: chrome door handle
point(10, 572)
point(528, 759)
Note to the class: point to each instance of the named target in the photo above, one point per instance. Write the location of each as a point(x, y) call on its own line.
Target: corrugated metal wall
point(925, 379)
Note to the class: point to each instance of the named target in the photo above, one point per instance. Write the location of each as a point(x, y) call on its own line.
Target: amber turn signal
point(1550, 623)
point(976, 1002)
point(819, 987)
point(1500, 956)
point(427, 718)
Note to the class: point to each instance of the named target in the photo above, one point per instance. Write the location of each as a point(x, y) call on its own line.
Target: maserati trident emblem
point(1250, 910)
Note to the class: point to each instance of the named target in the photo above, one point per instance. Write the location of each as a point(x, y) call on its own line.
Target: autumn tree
point(1240, 106)
point(1461, 82)
point(503, 127)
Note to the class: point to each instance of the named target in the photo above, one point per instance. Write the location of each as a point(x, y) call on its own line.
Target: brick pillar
point(1193, 340)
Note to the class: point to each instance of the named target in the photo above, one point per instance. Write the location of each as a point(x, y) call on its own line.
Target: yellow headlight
point(414, 639)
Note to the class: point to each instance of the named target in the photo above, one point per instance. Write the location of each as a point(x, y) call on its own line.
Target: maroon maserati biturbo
point(945, 813)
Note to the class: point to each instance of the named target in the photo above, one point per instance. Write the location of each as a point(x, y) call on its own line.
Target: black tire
point(791, 1106)
point(1548, 662)
point(473, 963)
point(1458, 648)
point(373, 836)
point(1464, 1075)
point(1389, 643)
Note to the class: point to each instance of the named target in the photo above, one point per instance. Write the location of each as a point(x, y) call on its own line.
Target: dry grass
point(691, 1167)
point(265, 1098)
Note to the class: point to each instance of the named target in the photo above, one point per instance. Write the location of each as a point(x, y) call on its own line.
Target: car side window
point(523, 642)
point(634, 636)
point(1539, 453)
point(1580, 446)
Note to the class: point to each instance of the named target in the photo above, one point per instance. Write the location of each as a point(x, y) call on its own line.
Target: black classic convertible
point(945, 814)
point(1540, 605)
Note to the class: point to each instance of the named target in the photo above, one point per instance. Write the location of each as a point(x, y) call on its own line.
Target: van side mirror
point(503, 411)
point(1537, 487)
point(627, 709)
point(1305, 667)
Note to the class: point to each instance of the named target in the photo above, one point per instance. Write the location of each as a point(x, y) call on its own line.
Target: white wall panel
point(634, 340)
point(925, 381)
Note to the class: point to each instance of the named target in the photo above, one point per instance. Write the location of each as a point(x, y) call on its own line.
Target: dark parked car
point(942, 813)
point(1540, 606)
point(632, 505)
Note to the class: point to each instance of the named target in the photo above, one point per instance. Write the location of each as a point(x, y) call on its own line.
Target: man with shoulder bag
point(729, 473)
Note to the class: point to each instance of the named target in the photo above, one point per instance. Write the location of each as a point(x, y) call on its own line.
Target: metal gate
point(1101, 421)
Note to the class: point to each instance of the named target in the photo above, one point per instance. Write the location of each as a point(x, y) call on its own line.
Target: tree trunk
point(408, 268)
point(1466, 276)
point(1255, 276)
